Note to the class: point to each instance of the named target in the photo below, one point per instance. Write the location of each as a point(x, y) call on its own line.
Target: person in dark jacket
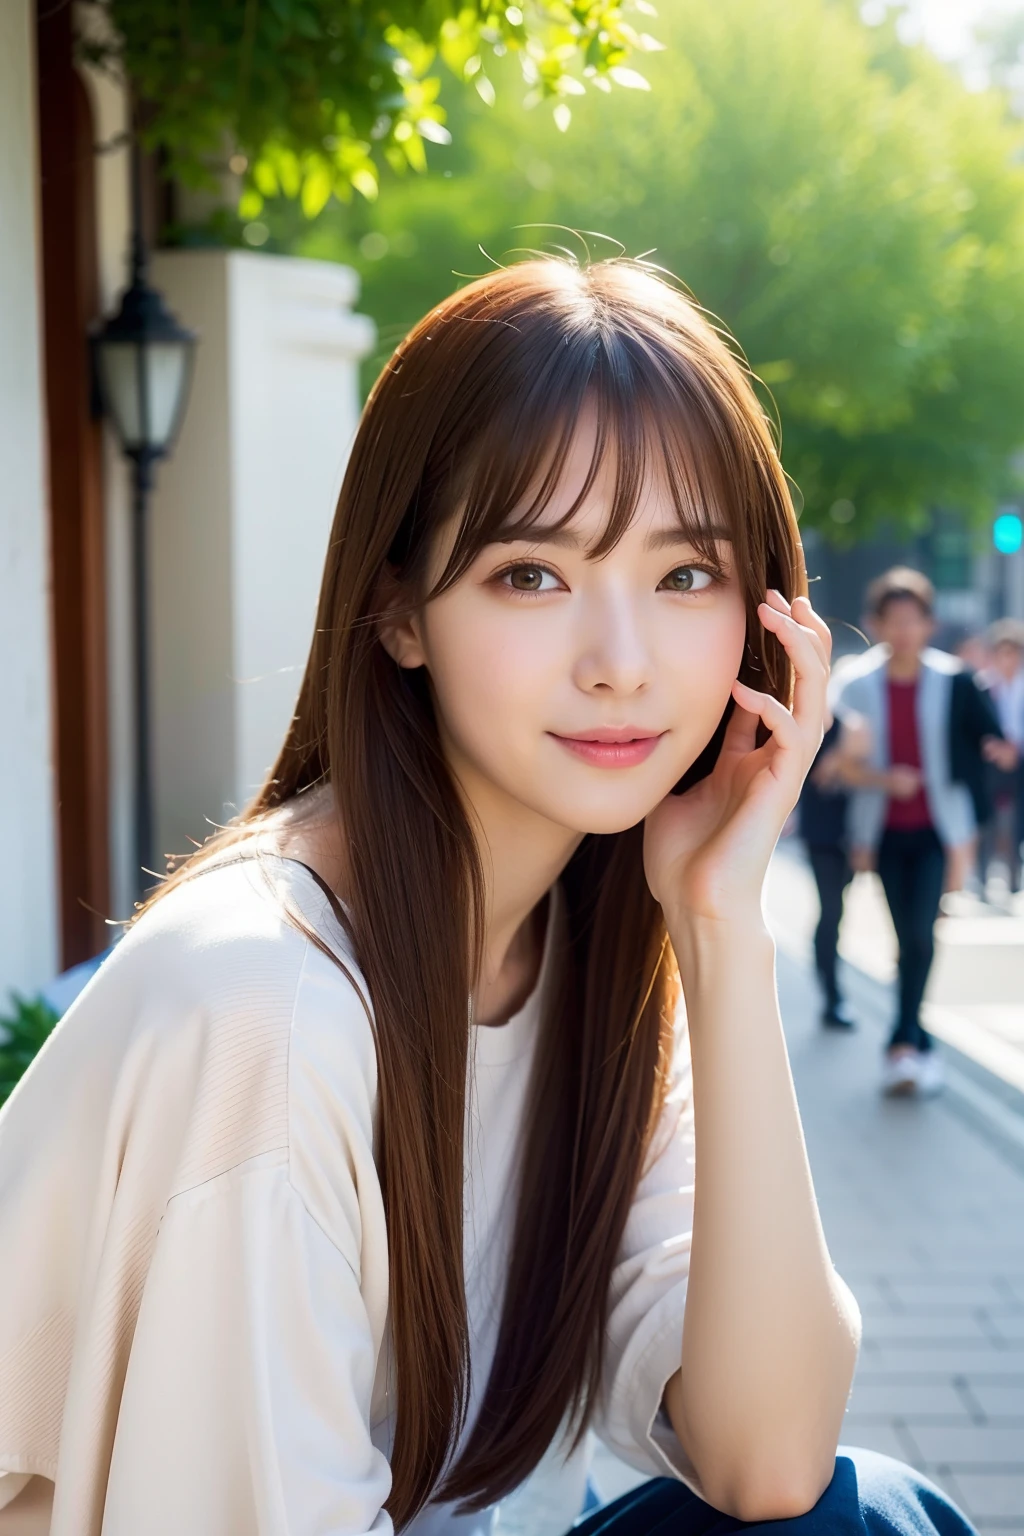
point(1003, 682)
point(822, 823)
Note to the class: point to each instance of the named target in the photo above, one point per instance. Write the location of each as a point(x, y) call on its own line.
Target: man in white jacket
point(908, 814)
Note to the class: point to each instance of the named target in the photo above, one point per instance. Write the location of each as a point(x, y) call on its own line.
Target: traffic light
point(1008, 533)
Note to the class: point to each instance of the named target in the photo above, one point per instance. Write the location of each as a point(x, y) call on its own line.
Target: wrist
point(741, 938)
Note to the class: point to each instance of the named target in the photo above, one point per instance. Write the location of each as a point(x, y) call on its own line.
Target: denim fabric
point(869, 1495)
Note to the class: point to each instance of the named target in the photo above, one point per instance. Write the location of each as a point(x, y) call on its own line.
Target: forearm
point(771, 1332)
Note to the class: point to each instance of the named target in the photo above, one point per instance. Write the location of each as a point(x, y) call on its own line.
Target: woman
point(363, 1171)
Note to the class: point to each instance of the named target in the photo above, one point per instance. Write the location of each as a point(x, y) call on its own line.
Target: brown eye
point(687, 578)
point(530, 578)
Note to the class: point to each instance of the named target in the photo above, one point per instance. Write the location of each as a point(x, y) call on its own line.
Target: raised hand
point(706, 852)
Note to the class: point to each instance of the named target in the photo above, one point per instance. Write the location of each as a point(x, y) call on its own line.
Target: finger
point(775, 599)
point(804, 613)
point(793, 617)
point(784, 727)
point(810, 666)
point(741, 731)
point(797, 616)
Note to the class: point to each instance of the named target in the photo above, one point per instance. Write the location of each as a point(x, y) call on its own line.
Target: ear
point(398, 626)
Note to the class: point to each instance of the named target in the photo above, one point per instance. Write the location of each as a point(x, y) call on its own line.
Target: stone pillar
point(240, 518)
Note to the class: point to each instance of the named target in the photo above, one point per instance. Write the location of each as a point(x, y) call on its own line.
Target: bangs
point(652, 417)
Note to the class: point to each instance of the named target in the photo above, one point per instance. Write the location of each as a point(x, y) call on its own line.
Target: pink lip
point(607, 747)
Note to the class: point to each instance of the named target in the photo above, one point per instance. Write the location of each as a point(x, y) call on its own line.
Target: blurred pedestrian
point(972, 649)
point(910, 713)
point(1004, 680)
point(822, 813)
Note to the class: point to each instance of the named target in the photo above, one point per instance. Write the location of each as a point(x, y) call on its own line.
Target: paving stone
point(941, 1328)
point(969, 1445)
point(1007, 1325)
point(875, 1437)
point(998, 1400)
point(952, 1295)
point(989, 1495)
point(900, 1399)
point(947, 1360)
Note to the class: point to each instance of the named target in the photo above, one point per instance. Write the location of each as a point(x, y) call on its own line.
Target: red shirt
point(904, 748)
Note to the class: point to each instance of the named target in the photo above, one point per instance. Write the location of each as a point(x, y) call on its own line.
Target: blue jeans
point(869, 1495)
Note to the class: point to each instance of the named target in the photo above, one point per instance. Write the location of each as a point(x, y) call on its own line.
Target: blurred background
point(217, 220)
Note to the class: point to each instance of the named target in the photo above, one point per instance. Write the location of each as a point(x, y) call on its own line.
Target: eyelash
point(534, 565)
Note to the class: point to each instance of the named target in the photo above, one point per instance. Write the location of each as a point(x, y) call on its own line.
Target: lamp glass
point(144, 387)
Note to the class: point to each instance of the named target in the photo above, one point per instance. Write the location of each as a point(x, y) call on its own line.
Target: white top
point(194, 1287)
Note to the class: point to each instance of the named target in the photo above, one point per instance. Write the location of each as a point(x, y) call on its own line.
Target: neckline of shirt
point(494, 1044)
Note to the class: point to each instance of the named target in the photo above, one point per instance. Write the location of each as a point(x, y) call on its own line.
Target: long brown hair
point(472, 419)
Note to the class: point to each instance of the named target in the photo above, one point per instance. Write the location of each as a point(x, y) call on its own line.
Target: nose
point(613, 655)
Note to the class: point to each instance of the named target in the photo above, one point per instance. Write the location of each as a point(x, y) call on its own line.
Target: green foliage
point(852, 213)
point(308, 96)
point(23, 1032)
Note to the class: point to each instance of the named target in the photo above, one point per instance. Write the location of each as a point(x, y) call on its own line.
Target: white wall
point(28, 867)
point(241, 515)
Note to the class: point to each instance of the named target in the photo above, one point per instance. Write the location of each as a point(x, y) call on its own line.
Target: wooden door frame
point(76, 505)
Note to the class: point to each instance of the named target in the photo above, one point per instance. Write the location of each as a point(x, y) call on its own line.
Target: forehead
point(904, 605)
point(602, 491)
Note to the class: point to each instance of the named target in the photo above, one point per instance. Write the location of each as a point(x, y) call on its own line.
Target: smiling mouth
point(610, 748)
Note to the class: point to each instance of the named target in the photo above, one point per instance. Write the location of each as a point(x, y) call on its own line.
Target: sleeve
point(246, 1404)
point(249, 1397)
point(983, 720)
point(643, 1345)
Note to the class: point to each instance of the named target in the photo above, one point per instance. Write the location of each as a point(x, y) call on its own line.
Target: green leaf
point(365, 182)
point(630, 78)
point(250, 204)
point(316, 190)
point(435, 132)
point(24, 1029)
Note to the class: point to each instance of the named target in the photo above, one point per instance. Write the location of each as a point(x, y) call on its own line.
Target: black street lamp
point(142, 367)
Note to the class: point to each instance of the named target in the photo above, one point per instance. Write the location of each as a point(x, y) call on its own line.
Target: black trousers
point(1006, 823)
point(911, 866)
point(832, 875)
point(869, 1495)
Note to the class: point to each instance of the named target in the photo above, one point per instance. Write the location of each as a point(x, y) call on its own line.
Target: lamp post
point(142, 366)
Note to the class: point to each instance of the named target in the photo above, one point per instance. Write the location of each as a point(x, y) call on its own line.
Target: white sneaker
point(901, 1074)
point(930, 1075)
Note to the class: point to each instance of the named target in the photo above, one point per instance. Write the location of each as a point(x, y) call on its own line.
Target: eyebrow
point(565, 538)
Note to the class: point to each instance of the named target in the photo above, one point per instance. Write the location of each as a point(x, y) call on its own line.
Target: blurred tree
point(297, 95)
point(847, 207)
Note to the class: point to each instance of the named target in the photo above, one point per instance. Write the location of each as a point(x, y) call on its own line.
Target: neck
point(522, 855)
point(904, 669)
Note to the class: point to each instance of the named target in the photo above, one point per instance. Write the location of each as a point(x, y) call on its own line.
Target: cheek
point(488, 672)
point(709, 653)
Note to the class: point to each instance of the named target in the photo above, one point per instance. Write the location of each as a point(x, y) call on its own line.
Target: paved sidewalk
point(924, 1214)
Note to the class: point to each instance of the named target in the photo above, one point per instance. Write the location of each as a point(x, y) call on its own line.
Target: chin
point(600, 820)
